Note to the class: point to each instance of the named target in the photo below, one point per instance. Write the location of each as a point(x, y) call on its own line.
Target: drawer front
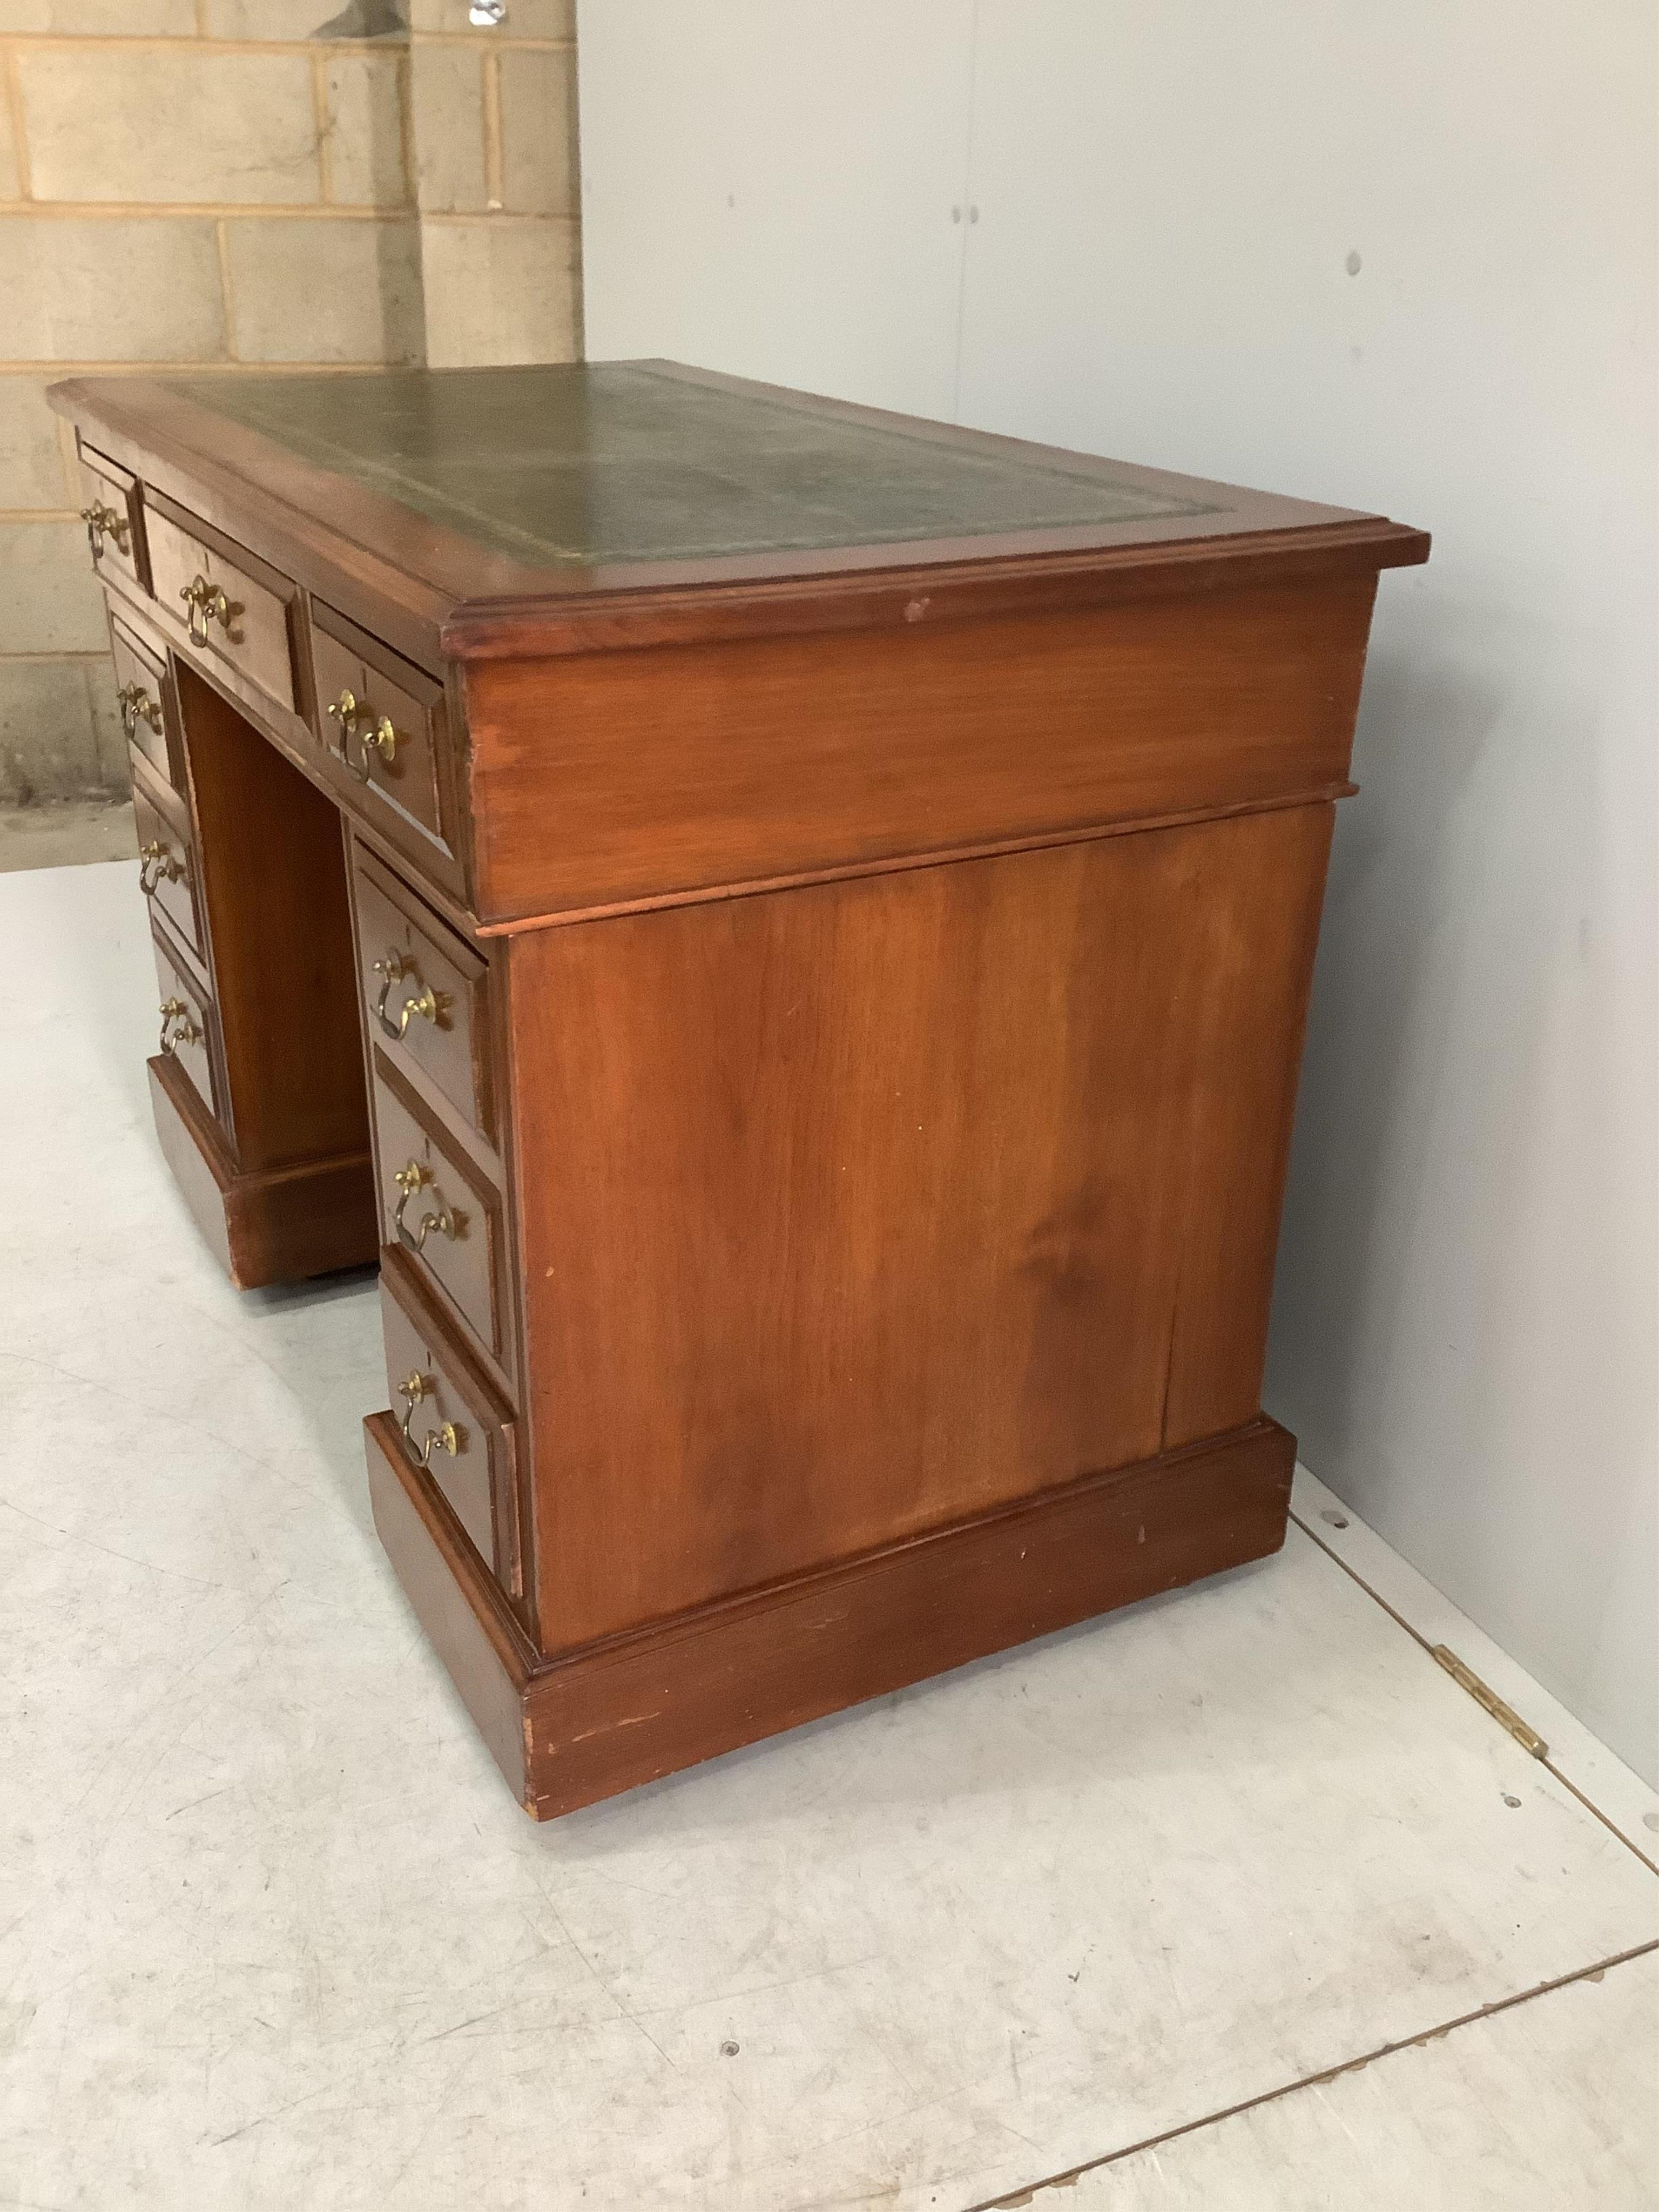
point(146, 703)
point(229, 609)
point(426, 993)
point(167, 870)
point(113, 514)
point(454, 1430)
point(445, 1216)
point(186, 1023)
point(384, 725)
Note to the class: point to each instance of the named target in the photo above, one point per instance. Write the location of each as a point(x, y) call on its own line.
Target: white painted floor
point(273, 1934)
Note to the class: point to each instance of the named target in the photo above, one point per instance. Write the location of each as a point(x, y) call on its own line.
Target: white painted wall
point(767, 186)
point(1168, 197)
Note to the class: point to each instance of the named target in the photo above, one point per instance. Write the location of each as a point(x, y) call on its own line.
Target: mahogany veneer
point(792, 928)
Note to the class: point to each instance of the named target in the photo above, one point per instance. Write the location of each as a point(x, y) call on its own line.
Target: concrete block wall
point(226, 185)
point(493, 117)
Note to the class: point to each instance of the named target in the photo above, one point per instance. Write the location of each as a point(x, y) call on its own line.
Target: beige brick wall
point(493, 116)
point(241, 183)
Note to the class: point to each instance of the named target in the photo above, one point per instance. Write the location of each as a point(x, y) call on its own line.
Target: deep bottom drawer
point(167, 869)
point(186, 1018)
point(445, 1215)
point(426, 993)
point(453, 1424)
point(143, 696)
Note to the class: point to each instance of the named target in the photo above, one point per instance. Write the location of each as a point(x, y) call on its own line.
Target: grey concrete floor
point(65, 833)
point(1233, 1901)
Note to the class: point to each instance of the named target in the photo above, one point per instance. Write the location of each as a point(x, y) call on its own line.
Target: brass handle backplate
point(427, 1004)
point(411, 1177)
point(158, 864)
point(104, 522)
point(208, 604)
point(374, 733)
point(447, 1437)
point(431, 1006)
point(136, 706)
point(177, 1027)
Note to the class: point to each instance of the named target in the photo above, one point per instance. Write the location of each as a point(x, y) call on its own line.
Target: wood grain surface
point(846, 933)
point(627, 1712)
point(844, 1212)
point(707, 766)
point(273, 879)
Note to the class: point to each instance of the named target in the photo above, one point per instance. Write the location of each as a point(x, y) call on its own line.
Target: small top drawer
point(231, 609)
point(384, 723)
point(426, 993)
point(140, 690)
point(114, 514)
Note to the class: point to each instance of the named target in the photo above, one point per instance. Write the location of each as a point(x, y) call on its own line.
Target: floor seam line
point(1424, 1644)
point(1067, 2175)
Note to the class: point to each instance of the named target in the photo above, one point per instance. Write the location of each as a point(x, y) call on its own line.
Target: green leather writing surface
point(620, 461)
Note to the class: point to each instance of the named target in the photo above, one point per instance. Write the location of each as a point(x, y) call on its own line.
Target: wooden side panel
point(851, 1211)
point(1253, 988)
point(273, 874)
point(600, 779)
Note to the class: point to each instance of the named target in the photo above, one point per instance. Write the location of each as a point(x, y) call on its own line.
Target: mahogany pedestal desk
point(787, 931)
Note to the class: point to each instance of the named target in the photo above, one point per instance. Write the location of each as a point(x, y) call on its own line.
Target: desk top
point(626, 462)
point(527, 491)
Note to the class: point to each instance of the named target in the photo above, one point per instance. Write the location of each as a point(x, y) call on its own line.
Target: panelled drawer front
point(453, 1429)
point(384, 723)
point(426, 993)
point(113, 514)
point(186, 1023)
point(444, 1214)
point(167, 870)
point(247, 628)
point(141, 686)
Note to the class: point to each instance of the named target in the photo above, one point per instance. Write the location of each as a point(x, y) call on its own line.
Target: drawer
point(227, 607)
point(426, 993)
point(114, 516)
point(146, 700)
point(384, 725)
point(186, 1023)
point(444, 1214)
point(453, 1426)
point(168, 873)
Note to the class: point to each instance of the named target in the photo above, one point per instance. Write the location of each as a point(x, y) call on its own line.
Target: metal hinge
point(1505, 1716)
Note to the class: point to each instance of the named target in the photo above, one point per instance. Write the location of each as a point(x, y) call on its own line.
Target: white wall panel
point(767, 188)
point(1402, 257)
point(1405, 258)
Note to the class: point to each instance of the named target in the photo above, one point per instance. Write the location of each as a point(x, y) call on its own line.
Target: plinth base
point(585, 1725)
point(275, 1225)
